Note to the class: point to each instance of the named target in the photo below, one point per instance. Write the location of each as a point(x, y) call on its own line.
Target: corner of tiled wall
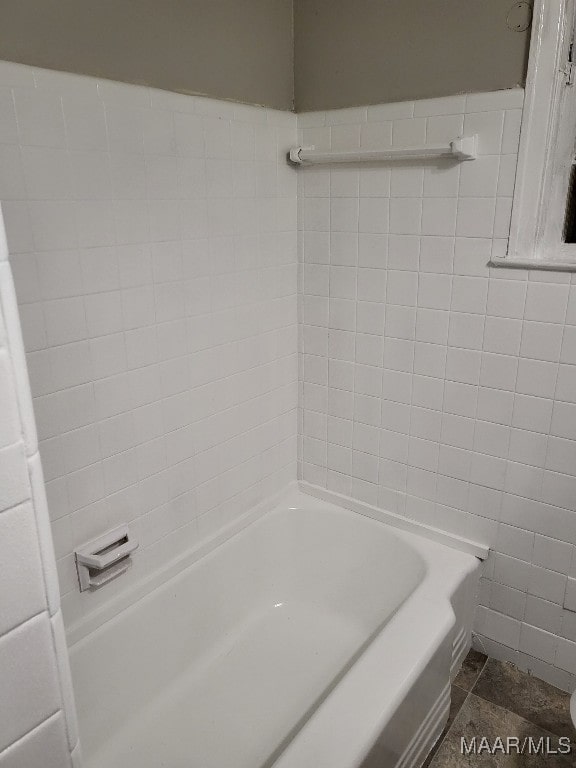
point(152, 240)
point(431, 384)
point(37, 710)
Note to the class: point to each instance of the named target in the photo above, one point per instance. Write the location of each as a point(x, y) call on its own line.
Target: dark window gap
point(570, 219)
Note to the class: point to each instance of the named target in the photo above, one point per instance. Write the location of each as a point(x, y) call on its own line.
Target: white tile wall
point(153, 241)
point(36, 700)
point(152, 238)
point(432, 385)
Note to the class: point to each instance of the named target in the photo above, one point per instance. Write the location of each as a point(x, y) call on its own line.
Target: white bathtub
point(313, 638)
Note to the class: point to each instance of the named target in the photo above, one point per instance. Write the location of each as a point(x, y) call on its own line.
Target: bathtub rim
point(92, 621)
point(400, 522)
point(374, 687)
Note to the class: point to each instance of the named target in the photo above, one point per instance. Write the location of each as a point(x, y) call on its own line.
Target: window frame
point(546, 150)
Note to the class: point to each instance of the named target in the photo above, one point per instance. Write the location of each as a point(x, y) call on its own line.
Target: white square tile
point(91, 175)
point(499, 371)
point(466, 330)
point(71, 365)
point(22, 584)
point(134, 265)
point(189, 135)
point(460, 399)
point(402, 288)
point(409, 132)
point(124, 127)
point(434, 291)
point(85, 123)
point(65, 320)
point(542, 613)
point(538, 643)
point(443, 128)
point(399, 354)
point(406, 181)
point(400, 322)
point(374, 182)
point(405, 216)
point(438, 216)
point(53, 225)
point(59, 274)
point(489, 127)
point(343, 282)
point(506, 298)
point(492, 439)
point(546, 584)
point(463, 365)
point(495, 405)
point(437, 254)
point(546, 302)
point(475, 217)
point(404, 252)
point(104, 313)
point(532, 413)
point(372, 285)
point(44, 747)
point(28, 669)
point(440, 181)
point(536, 378)
point(430, 359)
point(344, 215)
point(99, 269)
point(342, 315)
point(128, 176)
point(552, 554)
point(343, 248)
point(469, 294)
point(374, 213)
point(40, 118)
point(502, 335)
point(541, 341)
point(480, 178)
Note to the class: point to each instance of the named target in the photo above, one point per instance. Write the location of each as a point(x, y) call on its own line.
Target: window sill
point(548, 265)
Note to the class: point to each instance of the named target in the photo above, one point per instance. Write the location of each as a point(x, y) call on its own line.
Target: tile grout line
point(491, 704)
point(517, 714)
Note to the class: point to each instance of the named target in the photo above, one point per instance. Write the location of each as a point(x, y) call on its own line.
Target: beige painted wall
point(354, 52)
point(231, 49)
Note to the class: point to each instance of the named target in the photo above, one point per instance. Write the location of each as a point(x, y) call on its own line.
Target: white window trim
point(541, 186)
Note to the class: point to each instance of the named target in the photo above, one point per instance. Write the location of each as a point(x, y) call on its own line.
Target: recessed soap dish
point(105, 558)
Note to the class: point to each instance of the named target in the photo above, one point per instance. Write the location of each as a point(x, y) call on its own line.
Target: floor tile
point(481, 718)
point(527, 696)
point(470, 670)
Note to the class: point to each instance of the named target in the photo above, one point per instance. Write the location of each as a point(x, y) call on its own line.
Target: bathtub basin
point(313, 638)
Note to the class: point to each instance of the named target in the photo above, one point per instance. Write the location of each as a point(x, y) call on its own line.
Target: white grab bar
point(461, 148)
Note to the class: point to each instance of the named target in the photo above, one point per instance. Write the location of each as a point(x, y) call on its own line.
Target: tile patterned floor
point(495, 699)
